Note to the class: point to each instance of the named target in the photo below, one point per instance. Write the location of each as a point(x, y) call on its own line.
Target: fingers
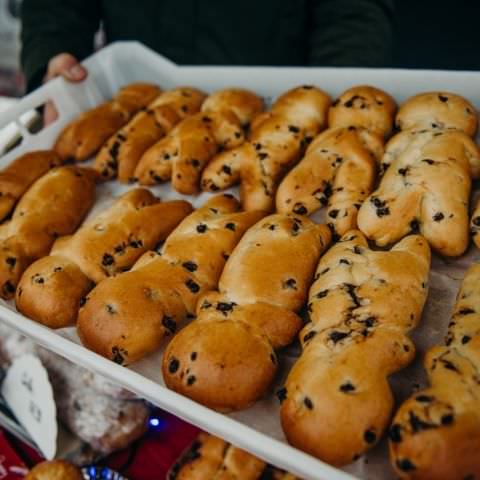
point(50, 113)
point(66, 65)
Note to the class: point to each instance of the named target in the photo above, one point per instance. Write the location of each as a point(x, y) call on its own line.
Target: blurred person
point(58, 34)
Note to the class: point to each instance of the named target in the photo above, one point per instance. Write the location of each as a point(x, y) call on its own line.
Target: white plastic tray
point(257, 429)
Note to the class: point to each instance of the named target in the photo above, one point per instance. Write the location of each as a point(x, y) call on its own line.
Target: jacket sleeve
point(50, 27)
point(351, 32)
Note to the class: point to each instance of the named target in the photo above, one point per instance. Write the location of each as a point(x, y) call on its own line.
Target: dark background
point(437, 34)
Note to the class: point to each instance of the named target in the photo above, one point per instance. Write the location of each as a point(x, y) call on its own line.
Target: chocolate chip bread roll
point(277, 141)
point(20, 174)
point(84, 136)
point(337, 402)
point(55, 470)
point(438, 111)
point(425, 189)
point(121, 154)
point(53, 206)
point(184, 153)
point(475, 224)
point(51, 289)
point(366, 107)
point(436, 432)
point(126, 317)
point(210, 458)
point(338, 171)
point(226, 359)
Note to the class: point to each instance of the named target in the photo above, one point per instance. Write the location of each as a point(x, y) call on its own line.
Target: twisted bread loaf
point(426, 189)
point(437, 111)
point(366, 107)
point(338, 170)
point(183, 154)
point(121, 154)
point(277, 141)
point(20, 174)
point(126, 317)
point(51, 289)
point(84, 136)
point(211, 458)
point(337, 402)
point(226, 358)
point(53, 206)
point(436, 432)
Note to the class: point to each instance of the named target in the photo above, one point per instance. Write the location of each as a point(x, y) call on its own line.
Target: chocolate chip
point(415, 226)
point(402, 171)
point(424, 398)
point(466, 311)
point(117, 355)
point(438, 217)
point(282, 394)
point(190, 266)
point(309, 336)
point(447, 419)
point(466, 339)
point(110, 309)
point(443, 98)
point(345, 261)
point(405, 465)
point(300, 209)
point(370, 436)
point(308, 403)
point(262, 155)
point(333, 213)
point(394, 434)
point(173, 365)
point(293, 129)
point(336, 336)
point(225, 307)
point(114, 150)
point(38, 279)
point(226, 169)
point(322, 294)
point(107, 260)
point(201, 228)
point(357, 250)
point(231, 226)
point(192, 286)
point(136, 243)
point(195, 162)
point(8, 287)
point(83, 301)
point(428, 160)
point(418, 424)
point(191, 380)
point(347, 387)
point(11, 261)
point(290, 283)
point(169, 323)
point(193, 356)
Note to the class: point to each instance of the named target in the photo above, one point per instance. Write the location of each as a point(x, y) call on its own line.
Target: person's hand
point(69, 68)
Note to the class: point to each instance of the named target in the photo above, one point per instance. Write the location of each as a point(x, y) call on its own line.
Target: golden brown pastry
point(277, 141)
point(338, 171)
point(475, 224)
point(337, 402)
point(425, 189)
point(183, 154)
point(53, 206)
point(121, 154)
point(20, 174)
point(126, 317)
point(54, 470)
point(84, 136)
point(436, 432)
point(51, 289)
point(366, 107)
point(211, 458)
point(438, 111)
point(226, 359)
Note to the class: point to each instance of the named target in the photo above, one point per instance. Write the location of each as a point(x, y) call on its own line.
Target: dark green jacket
point(245, 32)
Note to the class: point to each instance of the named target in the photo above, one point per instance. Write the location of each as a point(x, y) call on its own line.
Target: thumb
point(66, 65)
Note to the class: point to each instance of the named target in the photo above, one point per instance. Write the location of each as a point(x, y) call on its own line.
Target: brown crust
point(54, 470)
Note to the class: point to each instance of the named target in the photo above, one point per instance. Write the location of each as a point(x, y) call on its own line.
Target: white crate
point(258, 428)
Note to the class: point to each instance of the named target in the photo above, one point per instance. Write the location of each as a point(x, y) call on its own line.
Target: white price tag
point(28, 393)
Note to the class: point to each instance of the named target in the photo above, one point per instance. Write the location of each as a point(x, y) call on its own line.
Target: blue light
point(154, 422)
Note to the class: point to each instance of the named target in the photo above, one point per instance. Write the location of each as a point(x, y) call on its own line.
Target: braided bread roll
point(436, 432)
point(17, 177)
point(437, 111)
point(364, 106)
point(84, 136)
point(338, 171)
point(51, 289)
point(225, 359)
point(425, 189)
point(126, 317)
point(53, 206)
point(120, 155)
point(183, 154)
point(210, 458)
point(276, 143)
point(337, 402)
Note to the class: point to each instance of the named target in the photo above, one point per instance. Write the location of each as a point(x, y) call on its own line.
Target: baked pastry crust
point(53, 206)
point(436, 432)
point(120, 155)
point(337, 403)
point(226, 359)
point(185, 152)
point(54, 470)
point(84, 136)
point(126, 317)
point(277, 141)
point(52, 288)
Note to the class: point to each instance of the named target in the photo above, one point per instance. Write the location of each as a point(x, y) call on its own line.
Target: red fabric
point(11, 465)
